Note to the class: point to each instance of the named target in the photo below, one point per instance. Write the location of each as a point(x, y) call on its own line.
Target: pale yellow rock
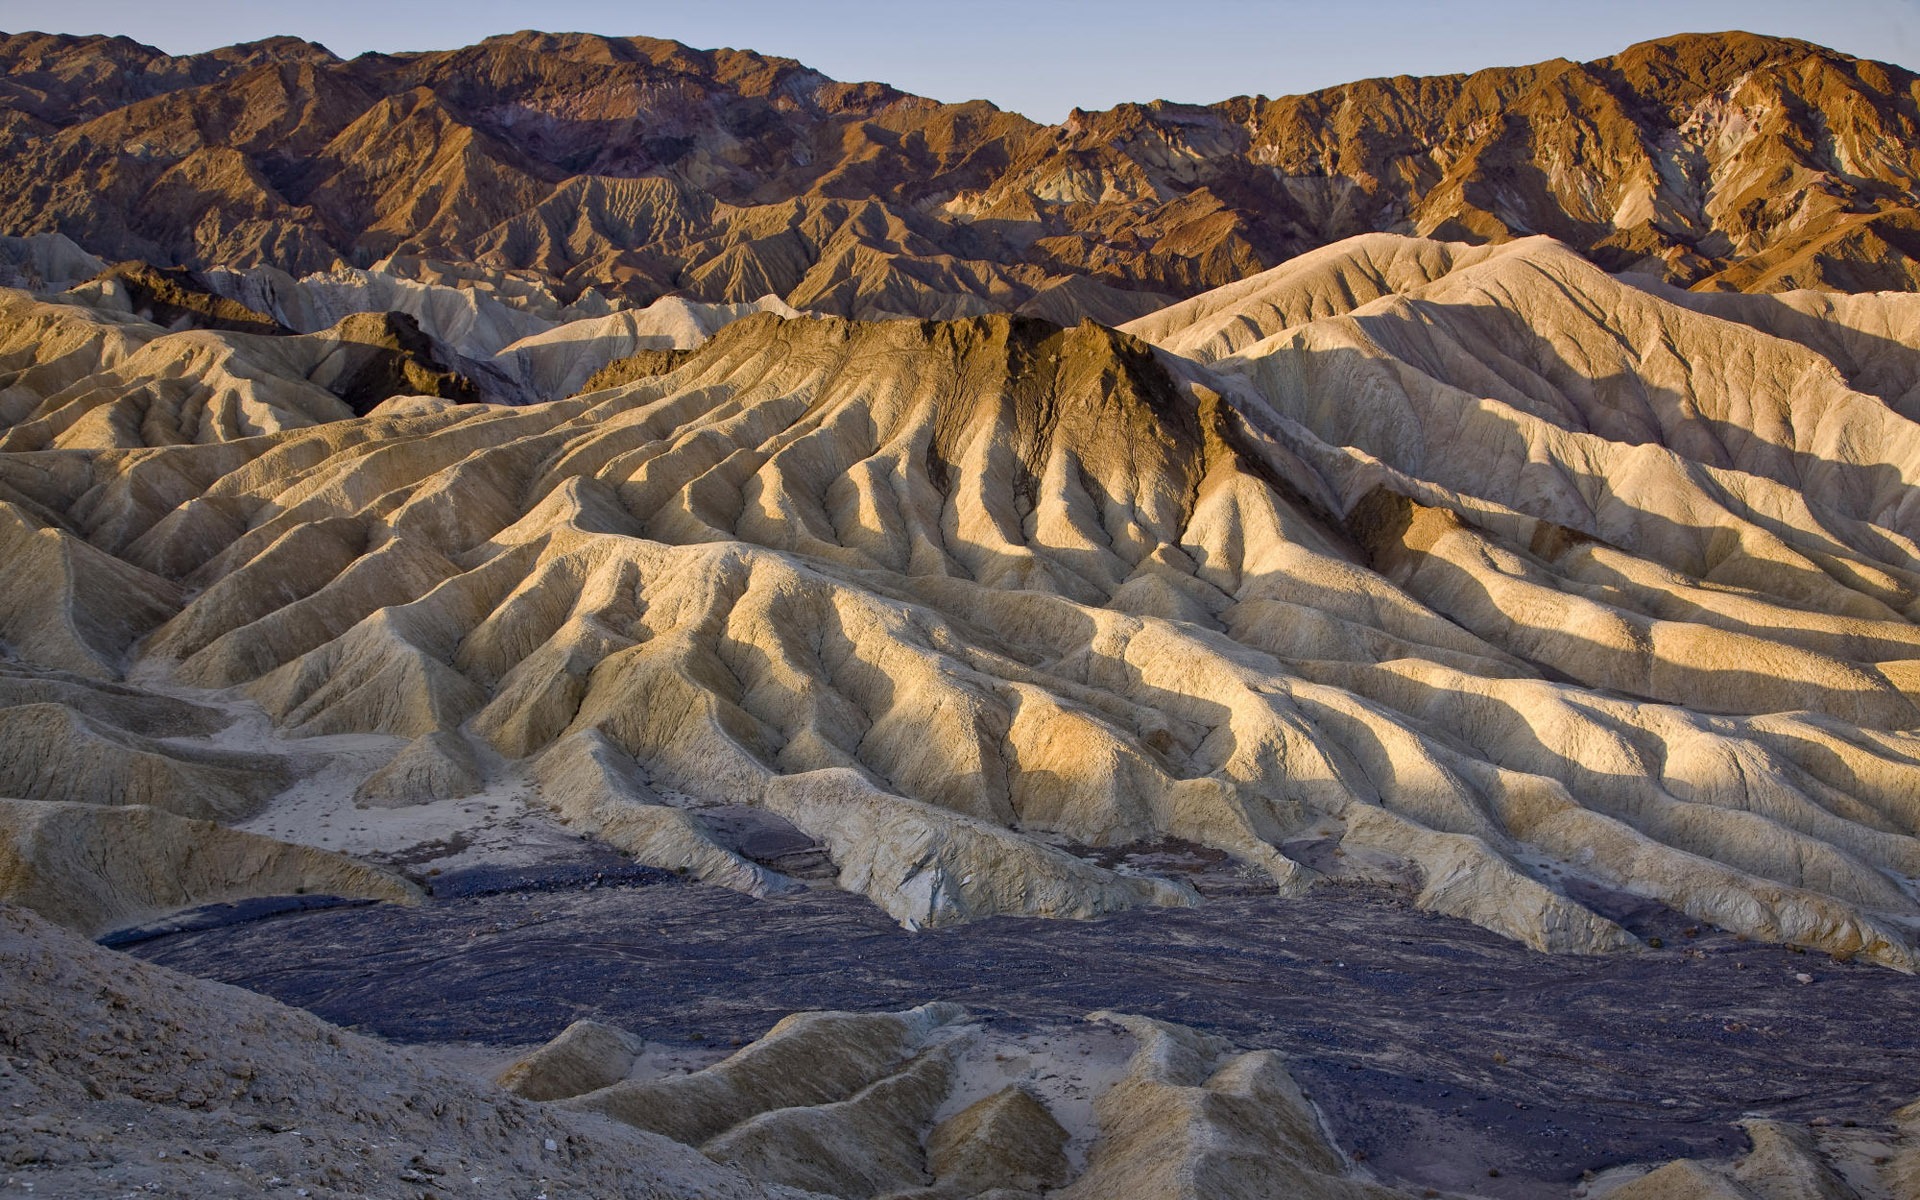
point(929, 867)
point(94, 868)
point(1786, 1165)
point(1462, 876)
point(132, 709)
point(95, 379)
point(807, 1059)
point(1327, 282)
point(888, 1105)
point(1683, 1179)
point(594, 786)
point(1902, 1175)
point(66, 605)
point(439, 766)
point(1192, 1119)
point(50, 752)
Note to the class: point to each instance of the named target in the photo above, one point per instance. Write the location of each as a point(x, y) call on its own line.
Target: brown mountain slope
point(644, 167)
point(52, 80)
point(1730, 160)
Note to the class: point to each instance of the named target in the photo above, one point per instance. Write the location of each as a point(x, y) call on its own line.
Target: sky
point(1037, 57)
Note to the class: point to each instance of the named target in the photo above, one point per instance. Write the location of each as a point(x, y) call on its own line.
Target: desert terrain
point(683, 628)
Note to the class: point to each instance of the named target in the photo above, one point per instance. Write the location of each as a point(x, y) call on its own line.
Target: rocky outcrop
point(376, 356)
point(173, 299)
point(642, 364)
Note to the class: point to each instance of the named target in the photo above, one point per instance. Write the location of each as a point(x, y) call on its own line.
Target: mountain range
point(633, 168)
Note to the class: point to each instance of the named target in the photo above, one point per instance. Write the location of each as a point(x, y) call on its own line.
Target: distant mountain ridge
point(641, 167)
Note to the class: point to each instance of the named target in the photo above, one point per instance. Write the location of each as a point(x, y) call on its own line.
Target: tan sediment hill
point(95, 867)
point(1477, 573)
point(594, 169)
point(369, 336)
point(1327, 282)
point(84, 371)
point(1789, 1161)
point(560, 361)
point(924, 1104)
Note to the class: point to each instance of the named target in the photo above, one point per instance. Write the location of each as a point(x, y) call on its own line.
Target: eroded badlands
point(1496, 571)
point(1474, 574)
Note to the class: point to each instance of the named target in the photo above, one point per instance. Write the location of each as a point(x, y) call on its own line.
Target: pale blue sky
point(1039, 57)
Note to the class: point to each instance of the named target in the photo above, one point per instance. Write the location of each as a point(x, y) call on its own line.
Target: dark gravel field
point(1435, 1047)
